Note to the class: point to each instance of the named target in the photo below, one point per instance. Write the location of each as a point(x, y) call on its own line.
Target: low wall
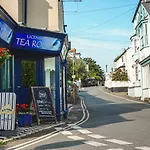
point(117, 86)
point(135, 91)
point(118, 89)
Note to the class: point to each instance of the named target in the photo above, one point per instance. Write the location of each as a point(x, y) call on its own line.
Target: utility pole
point(106, 68)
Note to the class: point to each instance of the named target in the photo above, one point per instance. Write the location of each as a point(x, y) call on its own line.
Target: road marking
point(96, 136)
point(118, 142)
point(76, 127)
point(59, 128)
point(96, 144)
point(66, 133)
point(24, 146)
point(75, 137)
point(84, 131)
point(143, 148)
point(52, 134)
point(115, 149)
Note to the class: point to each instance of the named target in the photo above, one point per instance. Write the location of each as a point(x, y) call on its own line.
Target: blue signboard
point(31, 41)
point(5, 32)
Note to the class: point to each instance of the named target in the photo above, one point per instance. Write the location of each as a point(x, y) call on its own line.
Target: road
point(113, 124)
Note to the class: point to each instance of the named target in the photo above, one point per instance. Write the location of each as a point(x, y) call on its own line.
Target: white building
point(123, 62)
point(141, 57)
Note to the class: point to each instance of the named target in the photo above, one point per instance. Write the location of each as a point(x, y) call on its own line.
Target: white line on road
point(115, 149)
point(118, 142)
point(143, 148)
point(35, 142)
point(66, 133)
point(58, 128)
point(76, 127)
point(96, 144)
point(84, 131)
point(47, 136)
point(96, 136)
point(75, 137)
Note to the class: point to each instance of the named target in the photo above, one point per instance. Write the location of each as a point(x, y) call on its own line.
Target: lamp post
point(73, 50)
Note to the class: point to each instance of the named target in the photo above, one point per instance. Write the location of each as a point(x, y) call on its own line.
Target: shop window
point(5, 77)
point(28, 73)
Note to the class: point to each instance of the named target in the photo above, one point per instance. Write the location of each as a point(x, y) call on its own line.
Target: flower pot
point(24, 120)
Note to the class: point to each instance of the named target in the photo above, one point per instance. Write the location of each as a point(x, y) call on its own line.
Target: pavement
point(125, 96)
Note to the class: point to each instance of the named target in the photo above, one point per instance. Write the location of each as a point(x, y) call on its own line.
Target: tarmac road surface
point(110, 123)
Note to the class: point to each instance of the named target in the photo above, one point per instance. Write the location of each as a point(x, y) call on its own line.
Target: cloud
point(105, 32)
point(103, 52)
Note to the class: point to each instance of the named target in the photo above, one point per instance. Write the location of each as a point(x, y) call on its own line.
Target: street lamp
point(73, 50)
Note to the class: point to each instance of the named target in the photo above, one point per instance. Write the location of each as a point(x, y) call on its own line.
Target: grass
point(3, 142)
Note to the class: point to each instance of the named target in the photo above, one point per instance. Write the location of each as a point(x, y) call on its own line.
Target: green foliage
point(69, 69)
point(79, 69)
point(120, 75)
point(28, 73)
point(3, 143)
point(95, 70)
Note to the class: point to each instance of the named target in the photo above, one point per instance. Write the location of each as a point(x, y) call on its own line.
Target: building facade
point(140, 43)
point(45, 69)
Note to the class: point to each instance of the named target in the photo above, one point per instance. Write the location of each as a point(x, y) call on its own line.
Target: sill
point(145, 88)
point(143, 48)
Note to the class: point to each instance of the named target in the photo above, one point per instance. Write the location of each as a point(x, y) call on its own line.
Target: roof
point(146, 4)
point(120, 56)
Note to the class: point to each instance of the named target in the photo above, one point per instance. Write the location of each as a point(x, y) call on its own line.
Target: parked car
point(91, 82)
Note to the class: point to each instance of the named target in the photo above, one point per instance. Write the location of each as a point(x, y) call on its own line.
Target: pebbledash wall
point(38, 59)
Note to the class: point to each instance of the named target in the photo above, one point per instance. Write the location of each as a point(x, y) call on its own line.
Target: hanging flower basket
point(4, 55)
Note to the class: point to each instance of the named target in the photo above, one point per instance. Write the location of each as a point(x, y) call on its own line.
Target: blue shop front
point(38, 59)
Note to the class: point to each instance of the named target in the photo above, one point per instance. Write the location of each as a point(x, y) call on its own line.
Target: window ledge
point(143, 48)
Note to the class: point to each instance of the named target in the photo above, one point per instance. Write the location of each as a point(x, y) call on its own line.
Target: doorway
point(27, 73)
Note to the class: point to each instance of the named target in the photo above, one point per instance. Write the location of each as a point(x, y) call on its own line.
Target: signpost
point(42, 100)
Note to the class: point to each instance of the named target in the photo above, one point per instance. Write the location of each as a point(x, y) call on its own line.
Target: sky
point(100, 29)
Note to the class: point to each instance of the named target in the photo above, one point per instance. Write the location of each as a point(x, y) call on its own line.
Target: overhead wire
point(102, 9)
point(107, 20)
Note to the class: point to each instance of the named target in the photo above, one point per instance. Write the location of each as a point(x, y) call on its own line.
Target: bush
point(73, 97)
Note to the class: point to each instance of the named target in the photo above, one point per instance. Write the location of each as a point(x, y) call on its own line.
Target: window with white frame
point(141, 37)
point(146, 35)
point(146, 78)
point(136, 73)
point(122, 58)
point(135, 47)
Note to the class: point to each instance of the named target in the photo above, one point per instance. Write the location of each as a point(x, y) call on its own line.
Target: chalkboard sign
point(42, 100)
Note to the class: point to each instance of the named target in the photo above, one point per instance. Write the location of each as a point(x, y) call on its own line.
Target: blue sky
point(100, 29)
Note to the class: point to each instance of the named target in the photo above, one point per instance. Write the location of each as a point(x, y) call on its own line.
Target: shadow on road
point(59, 145)
point(104, 112)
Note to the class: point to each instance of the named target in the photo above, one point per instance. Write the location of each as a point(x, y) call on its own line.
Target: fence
point(7, 111)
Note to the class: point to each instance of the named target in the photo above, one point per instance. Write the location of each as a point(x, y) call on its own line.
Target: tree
point(95, 70)
point(120, 75)
point(79, 69)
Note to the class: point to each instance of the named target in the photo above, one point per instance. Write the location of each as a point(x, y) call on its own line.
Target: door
point(27, 74)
